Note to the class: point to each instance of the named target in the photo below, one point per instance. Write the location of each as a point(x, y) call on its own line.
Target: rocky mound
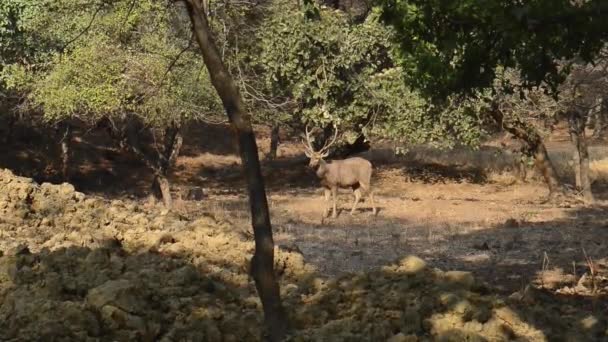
point(77, 268)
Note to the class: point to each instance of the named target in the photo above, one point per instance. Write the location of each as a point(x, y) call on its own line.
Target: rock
point(52, 284)
point(119, 293)
point(98, 258)
point(183, 276)
point(118, 319)
point(79, 196)
point(411, 265)
point(459, 278)
point(463, 307)
point(66, 189)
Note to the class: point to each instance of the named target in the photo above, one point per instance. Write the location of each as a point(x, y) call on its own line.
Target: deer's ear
point(324, 155)
point(307, 153)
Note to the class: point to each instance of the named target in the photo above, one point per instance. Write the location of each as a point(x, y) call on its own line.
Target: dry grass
point(599, 170)
point(459, 209)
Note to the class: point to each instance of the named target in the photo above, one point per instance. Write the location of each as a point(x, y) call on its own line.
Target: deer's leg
point(334, 194)
point(371, 199)
point(370, 194)
point(326, 207)
point(357, 193)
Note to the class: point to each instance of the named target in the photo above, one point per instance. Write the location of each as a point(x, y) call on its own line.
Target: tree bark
point(162, 189)
point(544, 165)
point(262, 262)
point(581, 154)
point(274, 142)
point(599, 115)
point(576, 155)
point(166, 160)
point(162, 163)
point(65, 145)
point(535, 148)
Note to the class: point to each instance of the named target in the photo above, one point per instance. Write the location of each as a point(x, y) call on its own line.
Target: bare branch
point(86, 29)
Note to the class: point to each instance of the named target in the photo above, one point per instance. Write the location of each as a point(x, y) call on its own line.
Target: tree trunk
point(66, 140)
point(581, 154)
point(599, 118)
point(576, 155)
point(535, 148)
point(173, 143)
point(544, 165)
point(162, 163)
point(162, 189)
point(262, 262)
point(521, 165)
point(522, 169)
point(274, 142)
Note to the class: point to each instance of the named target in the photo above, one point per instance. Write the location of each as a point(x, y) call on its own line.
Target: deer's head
point(316, 157)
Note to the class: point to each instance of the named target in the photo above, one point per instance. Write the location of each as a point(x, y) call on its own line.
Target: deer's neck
point(322, 168)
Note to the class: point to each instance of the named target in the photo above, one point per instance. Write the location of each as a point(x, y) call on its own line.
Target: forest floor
point(457, 210)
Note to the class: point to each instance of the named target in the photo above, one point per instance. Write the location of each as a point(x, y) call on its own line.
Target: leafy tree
point(584, 92)
point(464, 47)
point(323, 69)
point(458, 46)
point(132, 69)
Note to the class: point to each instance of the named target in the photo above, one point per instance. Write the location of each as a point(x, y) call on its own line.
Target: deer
point(354, 173)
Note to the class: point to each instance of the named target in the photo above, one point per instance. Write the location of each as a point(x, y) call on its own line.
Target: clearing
point(119, 266)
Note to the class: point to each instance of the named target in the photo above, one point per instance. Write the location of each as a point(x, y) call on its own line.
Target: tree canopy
point(451, 47)
point(132, 59)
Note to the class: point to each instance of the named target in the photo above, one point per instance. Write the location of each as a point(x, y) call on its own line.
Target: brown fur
point(354, 173)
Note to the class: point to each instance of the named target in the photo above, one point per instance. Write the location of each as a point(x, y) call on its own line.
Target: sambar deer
point(354, 173)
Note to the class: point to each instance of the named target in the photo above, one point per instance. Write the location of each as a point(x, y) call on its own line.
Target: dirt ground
point(538, 268)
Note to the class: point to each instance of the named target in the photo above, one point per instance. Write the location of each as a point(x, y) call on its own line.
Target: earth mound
point(74, 267)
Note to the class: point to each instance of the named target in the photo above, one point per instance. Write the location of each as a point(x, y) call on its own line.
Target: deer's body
point(354, 173)
point(351, 172)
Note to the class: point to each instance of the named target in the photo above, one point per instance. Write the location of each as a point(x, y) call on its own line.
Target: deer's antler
point(325, 150)
point(308, 148)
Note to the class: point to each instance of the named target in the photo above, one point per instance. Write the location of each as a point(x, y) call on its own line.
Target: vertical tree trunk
point(585, 177)
point(535, 148)
point(162, 189)
point(600, 118)
point(581, 154)
point(262, 262)
point(274, 142)
point(576, 155)
point(521, 165)
point(544, 165)
point(166, 160)
point(162, 162)
point(66, 139)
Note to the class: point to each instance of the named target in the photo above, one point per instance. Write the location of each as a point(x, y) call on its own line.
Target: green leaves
point(110, 59)
point(345, 74)
point(320, 64)
point(451, 47)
